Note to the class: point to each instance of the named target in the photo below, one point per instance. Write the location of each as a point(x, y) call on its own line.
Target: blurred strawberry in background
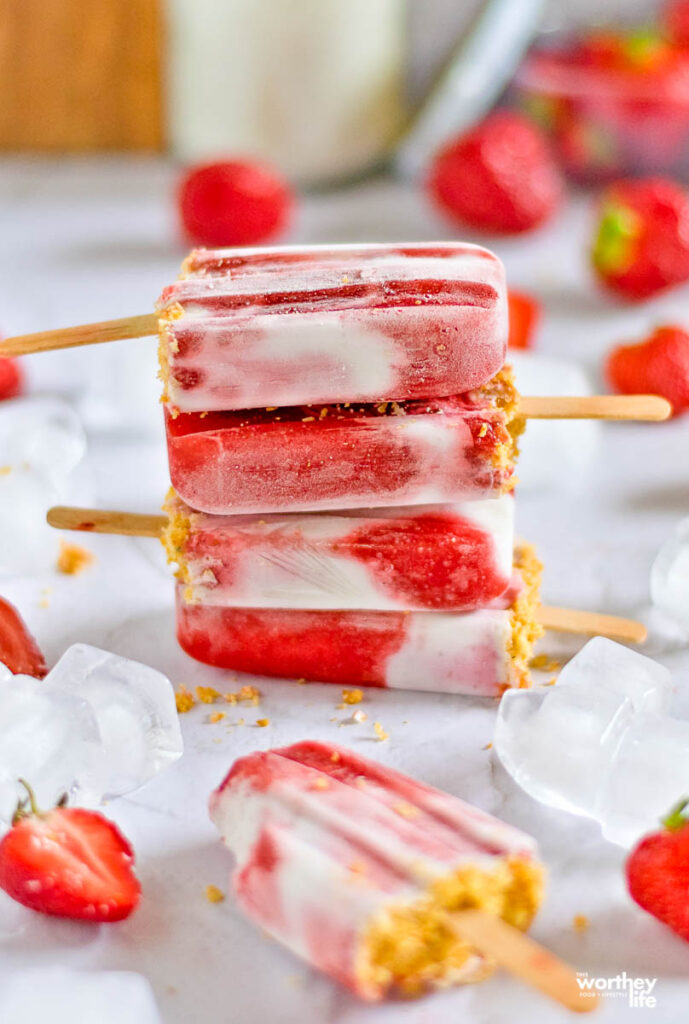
point(499, 177)
point(642, 237)
point(11, 378)
point(658, 366)
point(524, 314)
point(675, 21)
point(234, 203)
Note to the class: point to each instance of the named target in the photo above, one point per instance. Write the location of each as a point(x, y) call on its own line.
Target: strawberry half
point(18, 649)
point(657, 872)
point(68, 862)
point(658, 366)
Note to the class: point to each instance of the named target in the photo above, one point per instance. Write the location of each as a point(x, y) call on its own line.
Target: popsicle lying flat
point(358, 869)
point(479, 653)
point(453, 557)
point(291, 326)
point(350, 456)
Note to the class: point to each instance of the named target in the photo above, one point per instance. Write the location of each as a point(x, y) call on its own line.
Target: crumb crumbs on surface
point(358, 716)
point(352, 696)
point(580, 922)
point(214, 895)
point(320, 784)
point(336, 756)
point(545, 663)
point(250, 694)
point(207, 694)
point(217, 716)
point(487, 746)
point(551, 682)
point(184, 700)
point(5, 470)
point(301, 682)
point(380, 732)
point(262, 722)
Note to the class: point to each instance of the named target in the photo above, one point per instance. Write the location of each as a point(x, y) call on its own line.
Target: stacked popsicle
point(341, 437)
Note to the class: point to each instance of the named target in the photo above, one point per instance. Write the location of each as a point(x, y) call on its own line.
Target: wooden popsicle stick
point(571, 620)
point(652, 408)
point(86, 334)
point(523, 957)
point(94, 520)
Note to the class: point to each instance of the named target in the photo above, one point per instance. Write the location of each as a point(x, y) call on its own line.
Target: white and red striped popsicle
point(248, 328)
point(447, 558)
point(358, 869)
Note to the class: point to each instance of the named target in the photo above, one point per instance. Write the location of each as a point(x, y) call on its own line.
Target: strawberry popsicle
point(480, 653)
point(452, 557)
point(313, 458)
point(245, 328)
point(357, 868)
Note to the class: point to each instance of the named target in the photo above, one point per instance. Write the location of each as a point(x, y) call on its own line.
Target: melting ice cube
point(96, 727)
point(670, 576)
point(134, 706)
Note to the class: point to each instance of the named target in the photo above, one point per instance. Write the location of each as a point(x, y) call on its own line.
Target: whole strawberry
point(658, 366)
point(657, 872)
point(18, 649)
point(642, 238)
point(234, 202)
point(68, 862)
point(499, 177)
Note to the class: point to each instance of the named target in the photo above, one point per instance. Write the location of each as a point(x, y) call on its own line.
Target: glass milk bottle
point(313, 86)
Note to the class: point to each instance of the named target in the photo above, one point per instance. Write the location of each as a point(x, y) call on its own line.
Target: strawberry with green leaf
point(642, 238)
point(68, 862)
point(657, 871)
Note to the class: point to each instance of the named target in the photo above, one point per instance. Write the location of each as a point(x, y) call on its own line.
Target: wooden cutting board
point(78, 75)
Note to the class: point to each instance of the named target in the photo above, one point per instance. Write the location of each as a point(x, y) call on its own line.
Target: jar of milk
point(314, 86)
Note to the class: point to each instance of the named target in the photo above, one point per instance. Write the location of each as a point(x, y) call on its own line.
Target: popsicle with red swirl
point(356, 867)
point(449, 557)
point(245, 328)
point(313, 458)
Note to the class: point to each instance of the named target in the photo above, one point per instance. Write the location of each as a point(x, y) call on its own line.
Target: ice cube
point(41, 443)
point(619, 670)
point(556, 741)
point(44, 434)
point(134, 706)
point(650, 774)
point(64, 996)
point(49, 738)
point(670, 576)
point(554, 453)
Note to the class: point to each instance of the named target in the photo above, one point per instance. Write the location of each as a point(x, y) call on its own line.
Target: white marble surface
point(83, 242)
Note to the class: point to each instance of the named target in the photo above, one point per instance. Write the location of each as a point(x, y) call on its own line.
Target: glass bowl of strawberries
point(614, 102)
